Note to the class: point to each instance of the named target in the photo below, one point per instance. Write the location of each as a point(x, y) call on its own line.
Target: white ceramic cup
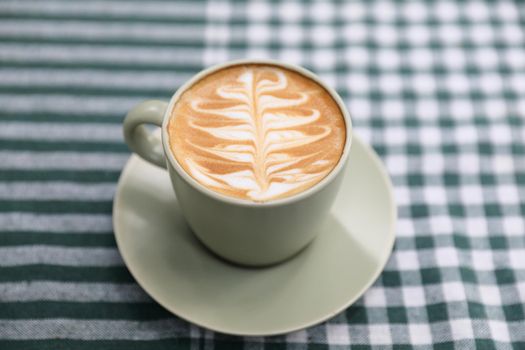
point(238, 230)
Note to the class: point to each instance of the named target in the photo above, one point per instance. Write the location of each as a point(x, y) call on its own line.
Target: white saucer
point(328, 276)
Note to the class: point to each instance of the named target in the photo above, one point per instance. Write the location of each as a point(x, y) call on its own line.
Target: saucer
point(178, 272)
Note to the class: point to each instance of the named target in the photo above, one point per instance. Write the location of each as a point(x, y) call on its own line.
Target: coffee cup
point(244, 230)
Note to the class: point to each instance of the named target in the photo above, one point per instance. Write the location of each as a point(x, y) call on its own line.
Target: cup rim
point(246, 202)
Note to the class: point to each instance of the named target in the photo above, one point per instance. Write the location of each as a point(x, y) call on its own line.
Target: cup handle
point(139, 139)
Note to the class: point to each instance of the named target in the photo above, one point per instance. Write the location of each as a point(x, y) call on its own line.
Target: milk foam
point(257, 132)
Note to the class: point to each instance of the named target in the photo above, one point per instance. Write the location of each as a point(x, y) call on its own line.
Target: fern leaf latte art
point(257, 132)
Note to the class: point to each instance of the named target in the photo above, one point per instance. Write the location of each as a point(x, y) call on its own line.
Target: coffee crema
point(257, 132)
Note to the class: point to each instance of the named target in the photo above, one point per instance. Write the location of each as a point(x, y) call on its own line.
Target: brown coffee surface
point(257, 132)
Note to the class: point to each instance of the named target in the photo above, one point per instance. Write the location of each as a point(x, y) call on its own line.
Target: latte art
point(257, 132)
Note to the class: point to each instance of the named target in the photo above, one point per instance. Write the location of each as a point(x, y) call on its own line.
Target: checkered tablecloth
point(436, 87)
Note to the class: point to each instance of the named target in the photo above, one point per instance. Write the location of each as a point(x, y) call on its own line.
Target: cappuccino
point(257, 132)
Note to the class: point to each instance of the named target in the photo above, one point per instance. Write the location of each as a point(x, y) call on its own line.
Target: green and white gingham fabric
point(436, 87)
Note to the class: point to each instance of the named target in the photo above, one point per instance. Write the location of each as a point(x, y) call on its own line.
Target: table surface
point(437, 88)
